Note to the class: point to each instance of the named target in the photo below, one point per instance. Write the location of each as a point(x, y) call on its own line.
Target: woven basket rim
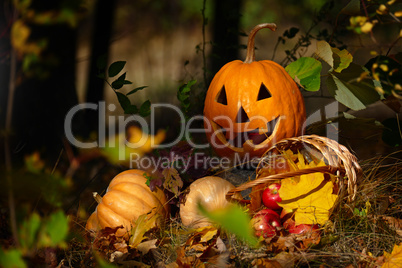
point(341, 162)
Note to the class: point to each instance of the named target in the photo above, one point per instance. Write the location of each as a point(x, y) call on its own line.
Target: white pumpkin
point(211, 193)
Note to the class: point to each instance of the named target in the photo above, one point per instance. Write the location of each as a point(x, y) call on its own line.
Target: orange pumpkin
point(126, 198)
point(251, 105)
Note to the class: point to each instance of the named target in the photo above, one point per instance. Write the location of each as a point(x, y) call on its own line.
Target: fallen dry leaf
point(310, 195)
point(173, 182)
point(266, 263)
point(146, 246)
point(256, 198)
point(286, 259)
point(201, 239)
point(143, 224)
point(394, 223)
point(393, 259)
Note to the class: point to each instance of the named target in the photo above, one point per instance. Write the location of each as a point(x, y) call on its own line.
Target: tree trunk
point(45, 91)
point(40, 105)
point(101, 36)
point(6, 14)
point(225, 33)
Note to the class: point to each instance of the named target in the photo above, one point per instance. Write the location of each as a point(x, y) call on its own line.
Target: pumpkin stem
point(250, 44)
point(97, 197)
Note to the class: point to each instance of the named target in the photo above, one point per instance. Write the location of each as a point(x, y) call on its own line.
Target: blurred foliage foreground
point(50, 199)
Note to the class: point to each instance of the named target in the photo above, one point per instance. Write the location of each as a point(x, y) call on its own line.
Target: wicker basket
point(340, 162)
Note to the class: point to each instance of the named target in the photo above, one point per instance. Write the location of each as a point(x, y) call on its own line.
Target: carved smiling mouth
point(253, 136)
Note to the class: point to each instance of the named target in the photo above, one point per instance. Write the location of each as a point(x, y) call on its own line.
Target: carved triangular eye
point(263, 93)
point(242, 116)
point(221, 97)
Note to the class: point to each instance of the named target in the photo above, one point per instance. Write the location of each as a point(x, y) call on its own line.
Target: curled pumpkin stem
point(97, 197)
point(250, 44)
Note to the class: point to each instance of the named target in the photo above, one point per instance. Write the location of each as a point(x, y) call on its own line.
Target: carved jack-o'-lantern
point(251, 105)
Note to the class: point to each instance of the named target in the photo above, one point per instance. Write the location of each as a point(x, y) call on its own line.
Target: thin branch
point(204, 59)
point(7, 150)
point(392, 45)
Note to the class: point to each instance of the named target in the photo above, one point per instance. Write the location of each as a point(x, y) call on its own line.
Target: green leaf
point(324, 51)
point(132, 109)
point(342, 59)
point(119, 82)
point(115, 68)
point(191, 83)
point(56, 227)
point(145, 108)
point(124, 101)
point(337, 59)
point(29, 231)
point(183, 94)
point(234, 220)
point(306, 72)
point(291, 32)
point(11, 259)
point(347, 89)
point(135, 90)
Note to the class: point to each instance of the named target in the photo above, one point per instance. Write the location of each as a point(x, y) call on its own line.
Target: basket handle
point(322, 169)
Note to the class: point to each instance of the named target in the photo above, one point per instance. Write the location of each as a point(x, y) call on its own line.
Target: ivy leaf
point(347, 88)
point(115, 68)
point(234, 220)
point(135, 90)
point(306, 72)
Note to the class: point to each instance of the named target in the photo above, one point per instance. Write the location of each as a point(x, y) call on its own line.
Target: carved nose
point(242, 116)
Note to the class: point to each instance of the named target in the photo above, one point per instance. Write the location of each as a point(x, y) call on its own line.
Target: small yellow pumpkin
point(211, 193)
point(126, 198)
